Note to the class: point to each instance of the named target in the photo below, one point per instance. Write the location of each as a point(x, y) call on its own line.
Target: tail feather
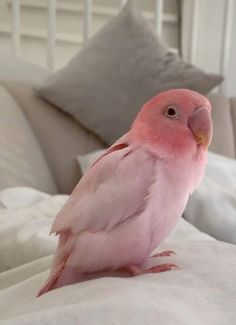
point(50, 283)
point(62, 273)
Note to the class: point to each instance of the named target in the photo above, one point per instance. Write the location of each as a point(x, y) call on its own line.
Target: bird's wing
point(113, 189)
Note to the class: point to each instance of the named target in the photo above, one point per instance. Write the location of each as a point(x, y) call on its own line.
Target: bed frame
point(190, 25)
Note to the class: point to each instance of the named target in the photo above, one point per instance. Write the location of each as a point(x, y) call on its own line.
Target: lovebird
point(130, 199)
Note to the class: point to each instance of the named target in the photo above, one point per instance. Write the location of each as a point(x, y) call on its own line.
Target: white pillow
point(22, 162)
point(212, 207)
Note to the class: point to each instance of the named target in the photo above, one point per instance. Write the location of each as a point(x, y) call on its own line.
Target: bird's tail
point(62, 274)
point(53, 278)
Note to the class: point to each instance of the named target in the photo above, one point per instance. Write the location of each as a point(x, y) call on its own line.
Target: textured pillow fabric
point(59, 135)
point(85, 161)
point(116, 72)
point(212, 207)
point(224, 126)
point(15, 68)
point(22, 162)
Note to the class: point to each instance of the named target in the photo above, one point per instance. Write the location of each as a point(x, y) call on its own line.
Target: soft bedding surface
point(212, 207)
point(201, 291)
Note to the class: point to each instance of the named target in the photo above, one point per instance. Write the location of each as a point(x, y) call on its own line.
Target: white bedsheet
point(201, 291)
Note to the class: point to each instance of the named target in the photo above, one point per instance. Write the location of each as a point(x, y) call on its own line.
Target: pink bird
point(132, 196)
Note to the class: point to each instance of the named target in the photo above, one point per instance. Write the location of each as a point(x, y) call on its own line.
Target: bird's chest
point(168, 197)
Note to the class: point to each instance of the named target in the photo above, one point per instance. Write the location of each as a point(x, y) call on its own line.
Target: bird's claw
point(164, 253)
point(135, 270)
point(161, 268)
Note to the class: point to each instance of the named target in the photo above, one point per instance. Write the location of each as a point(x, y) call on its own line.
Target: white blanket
point(201, 291)
point(212, 207)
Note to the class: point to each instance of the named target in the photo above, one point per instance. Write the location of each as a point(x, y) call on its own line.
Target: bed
point(201, 291)
point(44, 151)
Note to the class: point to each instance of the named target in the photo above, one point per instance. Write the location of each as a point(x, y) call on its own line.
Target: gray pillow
point(116, 72)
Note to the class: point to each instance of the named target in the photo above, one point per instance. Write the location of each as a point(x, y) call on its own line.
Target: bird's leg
point(164, 253)
point(136, 270)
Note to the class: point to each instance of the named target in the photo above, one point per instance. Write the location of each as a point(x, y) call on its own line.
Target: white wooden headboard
point(159, 18)
point(191, 15)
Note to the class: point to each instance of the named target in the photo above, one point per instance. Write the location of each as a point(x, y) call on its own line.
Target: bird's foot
point(136, 270)
point(164, 253)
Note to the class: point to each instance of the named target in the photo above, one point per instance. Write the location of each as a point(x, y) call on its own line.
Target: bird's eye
point(172, 112)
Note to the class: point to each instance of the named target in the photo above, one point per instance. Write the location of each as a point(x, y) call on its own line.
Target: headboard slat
point(15, 25)
point(158, 16)
point(226, 39)
point(87, 19)
point(51, 34)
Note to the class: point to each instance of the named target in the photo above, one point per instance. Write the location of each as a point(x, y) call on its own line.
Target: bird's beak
point(200, 123)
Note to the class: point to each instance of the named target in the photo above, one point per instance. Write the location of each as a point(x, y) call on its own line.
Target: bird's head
point(176, 122)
